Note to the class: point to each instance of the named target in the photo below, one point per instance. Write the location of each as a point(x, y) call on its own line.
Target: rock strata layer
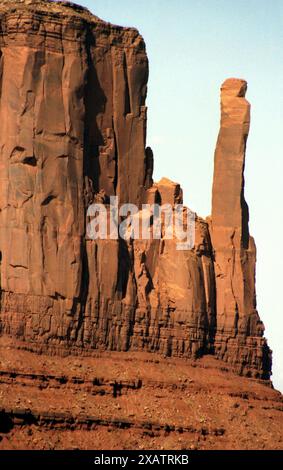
point(73, 132)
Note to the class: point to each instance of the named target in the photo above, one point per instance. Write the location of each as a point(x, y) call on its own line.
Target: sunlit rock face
point(239, 329)
point(73, 132)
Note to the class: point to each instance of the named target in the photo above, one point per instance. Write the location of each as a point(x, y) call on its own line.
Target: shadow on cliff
point(94, 102)
point(212, 306)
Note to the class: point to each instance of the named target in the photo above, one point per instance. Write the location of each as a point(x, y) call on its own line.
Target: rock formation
point(73, 131)
point(239, 329)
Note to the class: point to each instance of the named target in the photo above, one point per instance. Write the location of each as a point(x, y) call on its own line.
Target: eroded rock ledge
point(73, 129)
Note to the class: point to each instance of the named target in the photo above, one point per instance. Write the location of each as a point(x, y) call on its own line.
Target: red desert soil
point(132, 401)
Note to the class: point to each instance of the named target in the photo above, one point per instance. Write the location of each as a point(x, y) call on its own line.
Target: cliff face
point(73, 132)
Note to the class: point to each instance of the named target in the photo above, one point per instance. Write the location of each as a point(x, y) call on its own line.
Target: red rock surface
point(73, 131)
point(239, 334)
point(132, 400)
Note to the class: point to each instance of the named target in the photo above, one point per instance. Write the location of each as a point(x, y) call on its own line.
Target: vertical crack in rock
point(128, 107)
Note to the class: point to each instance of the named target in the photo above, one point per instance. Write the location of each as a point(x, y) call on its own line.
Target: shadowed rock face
point(73, 131)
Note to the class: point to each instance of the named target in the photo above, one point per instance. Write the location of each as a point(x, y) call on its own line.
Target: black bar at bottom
point(128, 459)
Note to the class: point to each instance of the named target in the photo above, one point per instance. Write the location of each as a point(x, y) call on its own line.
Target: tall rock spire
point(229, 209)
point(239, 329)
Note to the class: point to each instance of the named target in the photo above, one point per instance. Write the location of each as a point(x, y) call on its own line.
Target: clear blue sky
point(193, 46)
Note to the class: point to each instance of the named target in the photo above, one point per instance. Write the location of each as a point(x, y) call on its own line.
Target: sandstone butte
point(73, 131)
